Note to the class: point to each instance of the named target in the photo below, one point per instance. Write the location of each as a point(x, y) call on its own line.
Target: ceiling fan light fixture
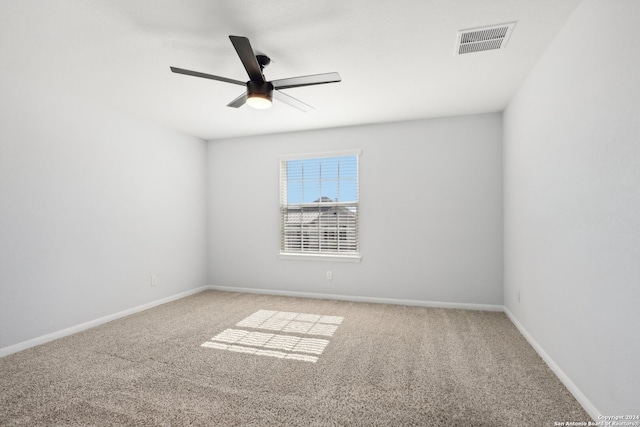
point(258, 101)
point(259, 95)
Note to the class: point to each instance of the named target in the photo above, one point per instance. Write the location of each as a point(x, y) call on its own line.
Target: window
point(319, 204)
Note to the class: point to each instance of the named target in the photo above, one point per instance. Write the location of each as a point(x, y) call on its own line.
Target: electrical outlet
point(154, 281)
point(329, 275)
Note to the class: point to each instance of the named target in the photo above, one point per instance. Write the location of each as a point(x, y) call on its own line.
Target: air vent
point(484, 38)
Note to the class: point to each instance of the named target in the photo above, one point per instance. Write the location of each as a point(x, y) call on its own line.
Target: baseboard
point(573, 389)
point(5, 351)
point(434, 304)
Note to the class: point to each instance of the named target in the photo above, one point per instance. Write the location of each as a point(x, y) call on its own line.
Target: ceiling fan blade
point(239, 101)
point(281, 96)
point(206, 76)
point(248, 58)
point(315, 79)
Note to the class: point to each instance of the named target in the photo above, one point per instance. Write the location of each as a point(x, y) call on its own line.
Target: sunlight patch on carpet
point(278, 345)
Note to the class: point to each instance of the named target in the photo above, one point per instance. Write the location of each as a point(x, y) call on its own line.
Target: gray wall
point(572, 204)
point(92, 203)
point(430, 212)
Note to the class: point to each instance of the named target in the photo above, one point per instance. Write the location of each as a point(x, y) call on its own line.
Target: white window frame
point(315, 255)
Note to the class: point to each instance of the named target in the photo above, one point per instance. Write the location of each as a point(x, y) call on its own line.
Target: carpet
point(233, 359)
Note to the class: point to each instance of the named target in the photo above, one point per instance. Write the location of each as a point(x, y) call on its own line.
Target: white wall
point(572, 203)
point(92, 203)
point(430, 217)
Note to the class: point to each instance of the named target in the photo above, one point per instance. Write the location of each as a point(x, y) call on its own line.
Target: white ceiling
point(396, 58)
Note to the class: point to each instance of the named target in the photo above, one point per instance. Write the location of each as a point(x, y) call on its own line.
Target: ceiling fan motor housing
point(259, 89)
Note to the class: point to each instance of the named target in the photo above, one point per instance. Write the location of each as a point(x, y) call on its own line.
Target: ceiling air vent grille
point(485, 38)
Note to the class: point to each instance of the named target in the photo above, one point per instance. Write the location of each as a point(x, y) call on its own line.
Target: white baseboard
point(434, 304)
point(575, 391)
point(5, 351)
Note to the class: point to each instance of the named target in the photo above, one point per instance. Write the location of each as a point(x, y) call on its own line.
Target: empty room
point(296, 213)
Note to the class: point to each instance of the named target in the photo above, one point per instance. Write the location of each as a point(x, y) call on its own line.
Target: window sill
point(321, 257)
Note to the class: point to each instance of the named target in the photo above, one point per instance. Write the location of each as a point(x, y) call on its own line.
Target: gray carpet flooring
point(232, 359)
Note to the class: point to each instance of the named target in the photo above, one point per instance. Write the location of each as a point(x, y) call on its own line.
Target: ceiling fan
point(259, 92)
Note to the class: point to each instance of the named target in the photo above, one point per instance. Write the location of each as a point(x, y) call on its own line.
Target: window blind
point(319, 204)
